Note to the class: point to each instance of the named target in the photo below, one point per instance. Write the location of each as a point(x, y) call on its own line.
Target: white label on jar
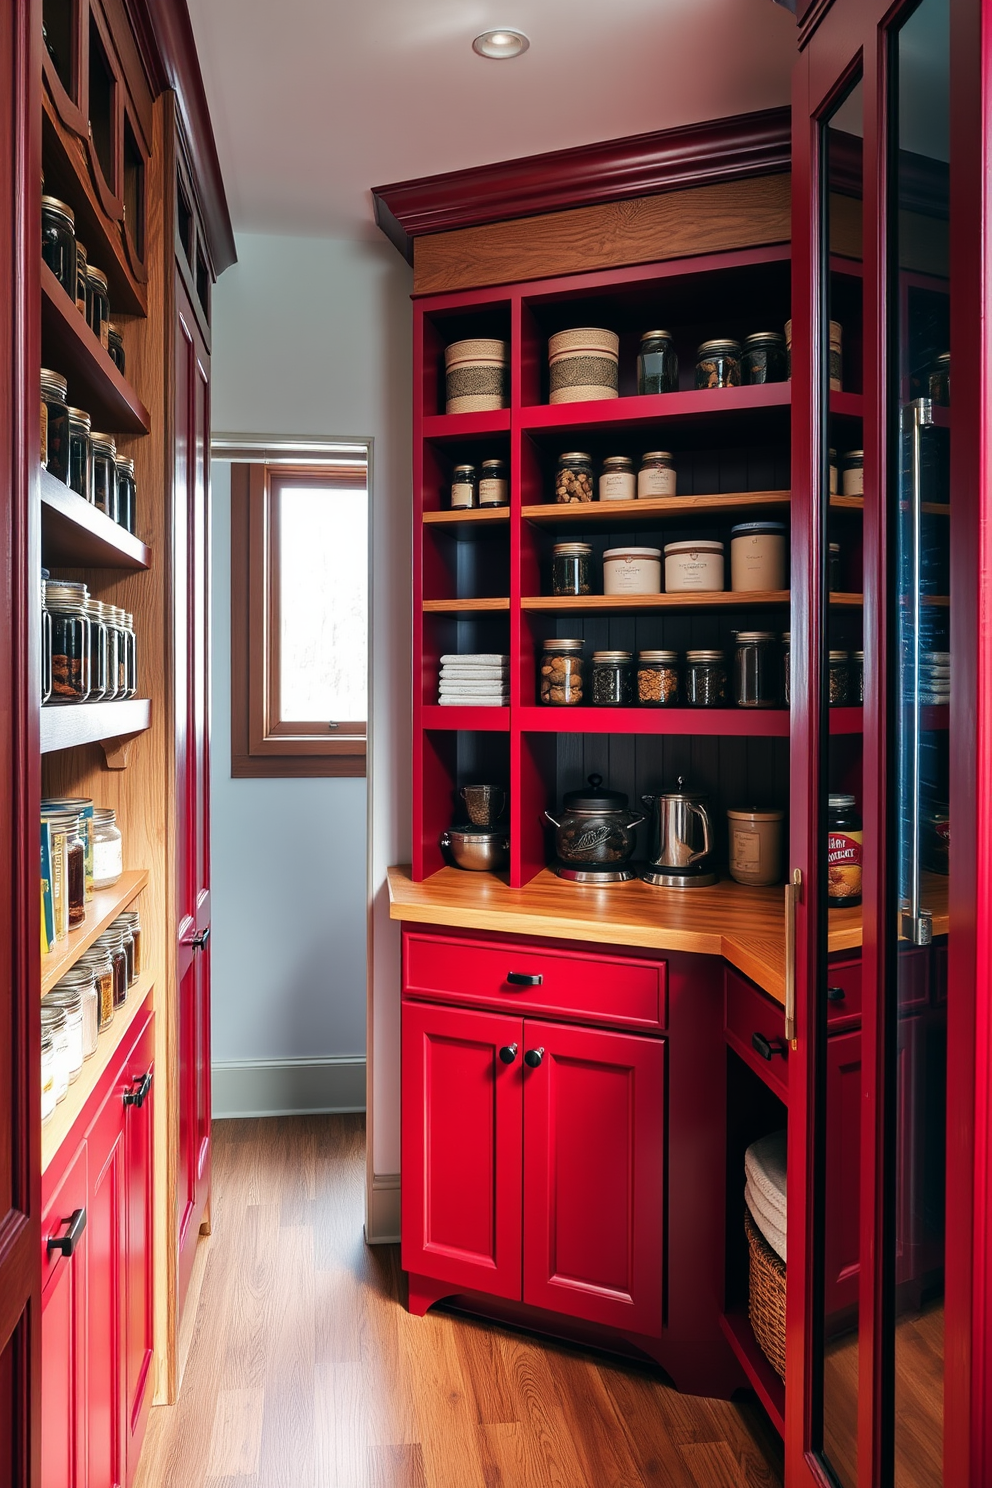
point(632, 575)
point(492, 492)
point(747, 851)
point(854, 481)
point(461, 494)
point(656, 480)
point(693, 570)
point(616, 485)
point(108, 862)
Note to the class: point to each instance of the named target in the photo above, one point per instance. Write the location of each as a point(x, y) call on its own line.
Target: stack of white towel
point(476, 680)
point(764, 1189)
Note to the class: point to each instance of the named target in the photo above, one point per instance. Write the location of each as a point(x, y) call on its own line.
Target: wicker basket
point(766, 1304)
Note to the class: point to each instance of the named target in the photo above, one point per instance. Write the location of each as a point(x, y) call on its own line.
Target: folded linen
point(471, 674)
point(476, 658)
point(473, 686)
point(470, 701)
point(771, 1225)
point(764, 1165)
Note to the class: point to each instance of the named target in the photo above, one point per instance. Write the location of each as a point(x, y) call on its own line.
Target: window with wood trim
point(299, 619)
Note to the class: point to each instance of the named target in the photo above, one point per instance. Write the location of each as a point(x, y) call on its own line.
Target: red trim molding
point(643, 165)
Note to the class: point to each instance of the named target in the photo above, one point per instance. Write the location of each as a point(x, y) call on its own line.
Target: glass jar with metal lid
point(82, 807)
point(47, 1075)
point(123, 929)
point(80, 474)
point(617, 479)
point(112, 941)
point(115, 345)
point(116, 624)
point(853, 473)
point(71, 1002)
point(657, 363)
point(856, 680)
point(132, 917)
point(46, 642)
point(105, 613)
point(574, 478)
point(130, 656)
point(764, 358)
point(844, 852)
point(99, 961)
point(80, 982)
point(66, 602)
point(54, 425)
point(53, 1022)
point(494, 488)
point(718, 364)
point(464, 487)
point(103, 458)
point(839, 677)
point(97, 304)
point(571, 568)
point(656, 475)
point(705, 679)
point(657, 679)
point(612, 679)
point(108, 848)
point(98, 651)
point(58, 242)
point(562, 673)
point(82, 268)
point(756, 673)
point(127, 494)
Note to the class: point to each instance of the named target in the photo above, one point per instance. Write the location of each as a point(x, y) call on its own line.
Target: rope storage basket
point(766, 1296)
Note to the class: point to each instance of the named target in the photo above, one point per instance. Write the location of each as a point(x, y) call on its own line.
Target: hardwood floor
point(306, 1371)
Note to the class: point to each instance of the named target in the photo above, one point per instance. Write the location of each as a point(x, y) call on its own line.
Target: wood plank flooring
point(305, 1370)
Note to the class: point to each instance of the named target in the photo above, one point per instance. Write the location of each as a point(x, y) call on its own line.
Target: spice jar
point(70, 640)
point(656, 476)
point(54, 425)
point(718, 364)
point(99, 961)
point(127, 493)
point(104, 463)
point(132, 918)
point(71, 1003)
point(97, 304)
point(115, 346)
point(573, 478)
point(464, 487)
point(47, 1076)
point(844, 849)
point(617, 481)
point(562, 673)
point(571, 568)
point(82, 267)
point(112, 941)
point(80, 477)
point(764, 358)
point(939, 381)
point(856, 679)
point(833, 568)
point(839, 677)
point(705, 679)
point(53, 1022)
point(787, 667)
point(853, 473)
point(632, 571)
point(494, 488)
point(612, 679)
point(80, 982)
point(835, 363)
point(108, 848)
point(657, 363)
point(692, 566)
point(58, 242)
point(127, 941)
point(755, 669)
point(757, 557)
point(657, 679)
point(46, 642)
point(755, 845)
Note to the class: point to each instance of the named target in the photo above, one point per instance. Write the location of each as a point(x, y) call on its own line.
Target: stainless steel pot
point(681, 840)
point(479, 851)
point(594, 837)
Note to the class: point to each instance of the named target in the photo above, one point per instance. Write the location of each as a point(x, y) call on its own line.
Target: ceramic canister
point(757, 556)
point(632, 571)
point(755, 845)
point(584, 365)
point(475, 375)
point(693, 565)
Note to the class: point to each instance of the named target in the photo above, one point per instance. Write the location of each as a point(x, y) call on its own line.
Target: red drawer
point(68, 1198)
point(755, 1028)
point(843, 991)
point(571, 983)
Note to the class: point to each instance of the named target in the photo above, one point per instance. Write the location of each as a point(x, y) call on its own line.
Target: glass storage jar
point(657, 363)
point(127, 493)
point(844, 850)
point(839, 675)
point(132, 917)
point(657, 679)
point(80, 479)
point(58, 242)
point(115, 346)
point(562, 679)
point(75, 852)
point(80, 981)
point(54, 425)
point(99, 961)
point(123, 929)
point(130, 656)
point(853, 473)
point(755, 669)
point(617, 479)
point(81, 807)
point(58, 823)
point(82, 267)
point(718, 364)
point(108, 848)
point(97, 304)
point(612, 679)
point(66, 602)
point(53, 1021)
point(46, 642)
point(47, 1076)
point(856, 679)
point(787, 667)
point(106, 613)
point(705, 679)
point(464, 488)
point(574, 478)
point(656, 475)
point(103, 458)
point(939, 381)
point(98, 651)
point(71, 1003)
point(112, 941)
point(494, 489)
point(764, 358)
point(571, 568)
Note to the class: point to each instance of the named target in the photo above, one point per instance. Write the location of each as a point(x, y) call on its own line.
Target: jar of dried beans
point(657, 679)
point(562, 673)
point(574, 478)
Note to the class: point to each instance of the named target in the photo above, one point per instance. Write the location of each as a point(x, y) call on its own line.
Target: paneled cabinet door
point(843, 1174)
point(138, 1298)
point(105, 1238)
point(63, 1335)
point(594, 1152)
point(462, 1111)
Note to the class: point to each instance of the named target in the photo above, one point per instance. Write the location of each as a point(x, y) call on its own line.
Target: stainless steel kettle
point(681, 840)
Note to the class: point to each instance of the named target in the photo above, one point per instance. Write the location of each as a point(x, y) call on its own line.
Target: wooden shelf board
point(464, 425)
point(104, 907)
point(656, 408)
point(478, 516)
point(600, 604)
point(464, 606)
point(64, 725)
point(74, 534)
point(703, 722)
point(847, 503)
point(553, 513)
point(936, 601)
point(55, 1131)
point(70, 348)
point(766, 1384)
point(857, 503)
point(847, 600)
point(472, 720)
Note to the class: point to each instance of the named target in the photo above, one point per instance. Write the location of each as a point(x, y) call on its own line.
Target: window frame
point(263, 744)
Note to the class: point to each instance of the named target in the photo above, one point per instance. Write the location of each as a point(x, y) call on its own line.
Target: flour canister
point(755, 845)
point(691, 566)
point(583, 365)
point(632, 571)
point(476, 375)
point(757, 557)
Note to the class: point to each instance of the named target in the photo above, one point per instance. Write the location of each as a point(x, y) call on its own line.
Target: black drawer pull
point(767, 1047)
point(533, 1058)
point(836, 994)
point(136, 1097)
point(521, 979)
point(67, 1243)
point(508, 1053)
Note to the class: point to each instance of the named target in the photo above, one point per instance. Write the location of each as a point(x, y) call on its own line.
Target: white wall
point(312, 337)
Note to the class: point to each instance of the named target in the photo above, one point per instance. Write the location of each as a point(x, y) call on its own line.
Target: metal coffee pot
point(681, 840)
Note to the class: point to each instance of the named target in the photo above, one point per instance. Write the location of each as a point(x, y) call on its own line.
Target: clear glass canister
point(132, 917)
point(127, 495)
point(103, 458)
point(571, 568)
point(47, 1075)
point(123, 929)
point(718, 364)
point(705, 679)
point(130, 656)
point(115, 345)
point(98, 651)
point(464, 487)
point(46, 642)
point(755, 669)
point(657, 363)
point(81, 982)
point(98, 304)
point(612, 679)
point(82, 268)
point(53, 1022)
point(54, 425)
point(562, 679)
point(108, 848)
point(574, 478)
point(58, 242)
point(617, 479)
point(80, 807)
point(71, 1003)
point(106, 613)
point(99, 961)
point(840, 676)
point(112, 941)
point(657, 679)
point(764, 358)
point(494, 487)
point(656, 476)
point(80, 475)
point(70, 640)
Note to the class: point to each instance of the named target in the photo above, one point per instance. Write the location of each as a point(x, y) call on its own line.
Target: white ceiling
point(315, 101)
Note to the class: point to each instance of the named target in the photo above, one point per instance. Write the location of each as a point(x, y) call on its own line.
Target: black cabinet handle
point(767, 1047)
point(136, 1097)
point(836, 994)
point(533, 1058)
point(508, 1053)
point(199, 942)
point(67, 1243)
point(521, 979)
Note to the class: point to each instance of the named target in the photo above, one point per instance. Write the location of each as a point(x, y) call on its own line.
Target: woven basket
point(766, 1303)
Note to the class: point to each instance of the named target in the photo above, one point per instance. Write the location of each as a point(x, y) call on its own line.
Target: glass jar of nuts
point(562, 673)
point(657, 679)
point(573, 478)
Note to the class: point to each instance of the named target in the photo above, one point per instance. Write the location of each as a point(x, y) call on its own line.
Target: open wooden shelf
point(475, 720)
point(55, 1131)
point(857, 503)
point(609, 512)
point(849, 601)
point(70, 348)
point(464, 606)
point(477, 516)
point(620, 604)
point(102, 909)
point(764, 1381)
point(64, 725)
point(75, 534)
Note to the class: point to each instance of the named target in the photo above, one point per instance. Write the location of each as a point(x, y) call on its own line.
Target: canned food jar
point(58, 242)
point(54, 425)
point(693, 567)
point(755, 669)
point(464, 487)
point(833, 482)
point(656, 476)
point(617, 480)
point(475, 375)
point(115, 345)
point(127, 495)
point(105, 614)
point(562, 673)
point(573, 478)
point(658, 679)
point(844, 852)
point(755, 845)
point(66, 601)
point(583, 365)
point(853, 473)
point(494, 489)
point(127, 940)
point(112, 941)
point(98, 304)
point(764, 358)
point(657, 363)
point(705, 679)
point(80, 981)
point(612, 679)
point(132, 917)
point(757, 557)
point(632, 571)
point(103, 458)
point(571, 568)
point(718, 364)
point(80, 472)
point(839, 677)
point(99, 961)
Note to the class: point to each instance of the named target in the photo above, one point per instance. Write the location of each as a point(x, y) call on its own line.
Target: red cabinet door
point(594, 1154)
point(138, 1294)
point(842, 1205)
point(462, 1139)
point(105, 1239)
point(63, 1334)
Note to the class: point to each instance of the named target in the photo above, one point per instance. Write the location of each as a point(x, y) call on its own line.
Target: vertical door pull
point(915, 922)
point(793, 894)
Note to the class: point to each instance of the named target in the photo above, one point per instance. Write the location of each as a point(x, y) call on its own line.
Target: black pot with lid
point(594, 836)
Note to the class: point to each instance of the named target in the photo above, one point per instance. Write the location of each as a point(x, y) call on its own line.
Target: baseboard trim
point(382, 1221)
point(287, 1087)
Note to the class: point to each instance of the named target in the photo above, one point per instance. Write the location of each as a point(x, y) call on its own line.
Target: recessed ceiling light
point(501, 43)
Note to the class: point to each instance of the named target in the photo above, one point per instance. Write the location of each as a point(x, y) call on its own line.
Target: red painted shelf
point(475, 720)
point(74, 534)
point(765, 1382)
point(465, 425)
point(768, 723)
point(650, 409)
point(847, 405)
point(70, 348)
point(847, 720)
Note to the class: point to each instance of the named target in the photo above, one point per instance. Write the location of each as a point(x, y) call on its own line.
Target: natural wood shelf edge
point(653, 506)
point(103, 908)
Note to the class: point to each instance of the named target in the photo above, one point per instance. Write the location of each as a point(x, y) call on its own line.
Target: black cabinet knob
point(138, 1093)
point(835, 994)
point(508, 1053)
point(199, 942)
point(767, 1047)
point(533, 1058)
point(522, 979)
point(67, 1243)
